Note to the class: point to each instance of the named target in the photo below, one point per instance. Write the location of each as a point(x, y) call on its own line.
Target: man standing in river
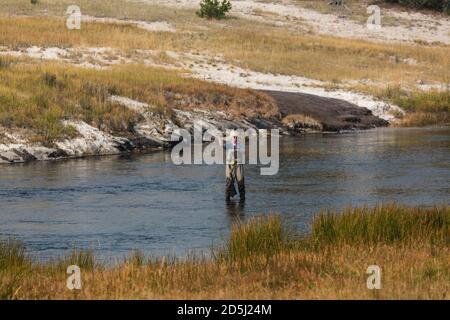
point(234, 168)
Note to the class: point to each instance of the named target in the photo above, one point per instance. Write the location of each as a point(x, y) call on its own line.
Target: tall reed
point(383, 224)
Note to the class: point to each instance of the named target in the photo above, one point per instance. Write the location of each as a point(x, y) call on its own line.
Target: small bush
point(34, 1)
point(214, 9)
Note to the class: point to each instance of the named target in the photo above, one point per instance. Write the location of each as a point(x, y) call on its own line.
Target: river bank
point(74, 93)
point(262, 259)
point(292, 113)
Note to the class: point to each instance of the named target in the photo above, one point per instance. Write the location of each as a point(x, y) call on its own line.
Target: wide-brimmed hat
point(233, 134)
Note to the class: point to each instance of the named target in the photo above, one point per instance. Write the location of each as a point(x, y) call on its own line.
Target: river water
point(116, 204)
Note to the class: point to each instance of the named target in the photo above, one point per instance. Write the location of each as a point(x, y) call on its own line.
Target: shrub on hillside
point(214, 9)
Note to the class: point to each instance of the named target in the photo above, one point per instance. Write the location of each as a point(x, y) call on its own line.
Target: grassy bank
point(264, 259)
point(253, 45)
point(423, 108)
point(38, 97)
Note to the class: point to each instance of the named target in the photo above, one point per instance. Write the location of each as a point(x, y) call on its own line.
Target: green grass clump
point(383, 224)
point(432, 101)
point(12, 255)
point(423, 108)
point(14, 264)
point(262, 236)
point(419, 101)
point(85, 259)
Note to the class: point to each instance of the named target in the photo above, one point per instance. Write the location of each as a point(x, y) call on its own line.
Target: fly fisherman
point(234, 167)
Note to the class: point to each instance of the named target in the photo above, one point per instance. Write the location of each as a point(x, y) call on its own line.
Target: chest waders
point(235, 173)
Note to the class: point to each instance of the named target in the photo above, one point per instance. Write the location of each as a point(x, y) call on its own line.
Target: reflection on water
point(236, 209)
point(115, 204)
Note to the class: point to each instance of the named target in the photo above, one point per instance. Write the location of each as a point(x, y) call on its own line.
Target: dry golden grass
point(357, 9)
point(334, 59)
point(263, 260)
point(39, 97)
point(422, 119)
point(423, 108)
point(337, 273)
point(253, 45)
point(302, 121)
point(135, 10)
point(248, 44)
point(431, 101)
point(17, 32)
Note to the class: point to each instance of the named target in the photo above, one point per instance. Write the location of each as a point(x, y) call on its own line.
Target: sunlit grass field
point(251, 44)
point(264, 259)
